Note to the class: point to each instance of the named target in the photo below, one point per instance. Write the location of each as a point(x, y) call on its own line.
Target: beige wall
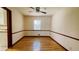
point(66, 21)
point(29, 22)
point(17, 24)
point(29, 25)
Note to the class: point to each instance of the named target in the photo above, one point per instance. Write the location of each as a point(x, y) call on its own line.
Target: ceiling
point(27, 11)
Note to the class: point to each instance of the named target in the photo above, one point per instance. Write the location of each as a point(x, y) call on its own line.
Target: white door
point(3, 29)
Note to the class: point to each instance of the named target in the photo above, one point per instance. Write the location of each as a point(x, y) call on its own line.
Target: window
point(37, 24)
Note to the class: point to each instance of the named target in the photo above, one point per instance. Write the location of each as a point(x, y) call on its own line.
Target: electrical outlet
point(38, 34)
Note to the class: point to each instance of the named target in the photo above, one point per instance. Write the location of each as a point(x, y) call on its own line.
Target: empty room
point(39, 29)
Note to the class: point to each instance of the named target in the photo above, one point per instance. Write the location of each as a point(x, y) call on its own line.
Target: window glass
point(37, 24)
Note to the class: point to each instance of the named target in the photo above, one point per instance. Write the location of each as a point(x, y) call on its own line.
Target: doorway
point(6, 27)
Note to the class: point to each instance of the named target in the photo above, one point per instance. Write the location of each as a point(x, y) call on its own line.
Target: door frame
point(9, 26)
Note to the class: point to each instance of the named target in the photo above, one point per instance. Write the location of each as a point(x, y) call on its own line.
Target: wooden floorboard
point(36, 44)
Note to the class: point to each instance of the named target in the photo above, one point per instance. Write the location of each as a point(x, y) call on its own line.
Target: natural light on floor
point(36, 45)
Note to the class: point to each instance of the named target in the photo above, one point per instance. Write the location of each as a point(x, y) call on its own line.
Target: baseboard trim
point(17, 41)
point(36, 36)
point(58, 43)
point(36, 30)
point(27, 36)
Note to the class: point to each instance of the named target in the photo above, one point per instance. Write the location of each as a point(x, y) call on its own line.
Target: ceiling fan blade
point(37, 9)
point(43, 12)
point(32, 7)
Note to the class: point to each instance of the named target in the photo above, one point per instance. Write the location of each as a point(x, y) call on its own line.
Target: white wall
point(29, 25)
point(17, 24)
point(66, 21)
point(3, 40)
point(3, 19)
point(3, 30)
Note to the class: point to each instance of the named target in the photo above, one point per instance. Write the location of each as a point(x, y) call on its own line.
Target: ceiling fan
point(38, 10)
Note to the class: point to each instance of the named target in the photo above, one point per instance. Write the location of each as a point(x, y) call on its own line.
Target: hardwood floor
point(36, 44)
